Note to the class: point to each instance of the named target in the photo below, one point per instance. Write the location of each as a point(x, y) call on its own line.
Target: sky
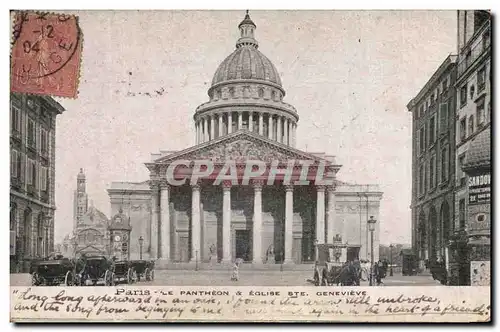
point(349, 74)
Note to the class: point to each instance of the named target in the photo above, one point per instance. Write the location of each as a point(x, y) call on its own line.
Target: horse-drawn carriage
point(328, 270)
point(53, 272)
point(143, 269)
point(124, 272)
point(96, 269)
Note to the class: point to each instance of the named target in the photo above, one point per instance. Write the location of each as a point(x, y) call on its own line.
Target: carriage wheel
point(147, 275)
point(34, 279)
point(68, 279)
point(316, 279)
point(112, 283)
point(107, 278)
point(152, 275)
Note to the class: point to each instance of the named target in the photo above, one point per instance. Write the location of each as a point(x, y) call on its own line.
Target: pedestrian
point(235, 276)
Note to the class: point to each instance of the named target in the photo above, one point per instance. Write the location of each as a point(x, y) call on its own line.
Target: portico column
point(207, 133)
point(229, 122)
point(294, 134)
point(261, 124)
point(250, 121)
point(221, 133)
point(320, 214)
point(288, 224)
point(257, 223)
point(278, 132)
point(240, 120)
point(330, 226)
point(153, 236)
point(226, 222)
point(212, 127)
point(165, 221)
point(195, 223)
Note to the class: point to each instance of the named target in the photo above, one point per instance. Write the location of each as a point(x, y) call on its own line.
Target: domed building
point(259, 221)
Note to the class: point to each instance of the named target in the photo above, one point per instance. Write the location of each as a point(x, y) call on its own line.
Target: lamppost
point(391, 273)
point(141, 242)
point(371, 228)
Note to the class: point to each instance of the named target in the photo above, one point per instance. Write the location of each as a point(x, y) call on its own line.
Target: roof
point(479, 153)
point(93, 216)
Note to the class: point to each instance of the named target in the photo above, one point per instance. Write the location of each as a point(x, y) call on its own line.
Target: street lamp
point(391, 273)
point(141, 242)
point(371, 228)
point(75, 246)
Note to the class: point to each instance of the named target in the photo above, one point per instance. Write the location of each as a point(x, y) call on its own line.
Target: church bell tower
point(80, 201)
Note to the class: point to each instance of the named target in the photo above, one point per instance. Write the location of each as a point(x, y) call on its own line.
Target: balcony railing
point(475, 52)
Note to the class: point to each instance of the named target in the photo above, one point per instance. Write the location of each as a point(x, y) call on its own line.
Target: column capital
point(288, 188)
point(331, 189)
point(154, 185)
point(163, 184)
point(226, 185)
point(320, 188)
point(257, 184)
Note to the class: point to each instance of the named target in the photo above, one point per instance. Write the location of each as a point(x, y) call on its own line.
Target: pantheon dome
point(246, 94)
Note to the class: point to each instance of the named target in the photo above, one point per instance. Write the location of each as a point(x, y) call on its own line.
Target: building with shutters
point(32, 174)
point(245, 119)
point(433, 163)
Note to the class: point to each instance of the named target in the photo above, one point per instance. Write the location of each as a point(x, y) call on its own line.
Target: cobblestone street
point(247, 278)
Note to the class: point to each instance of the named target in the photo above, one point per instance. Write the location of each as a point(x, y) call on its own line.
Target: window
point(20, 167)
point(445, 84)
point(44, 142)
point(480, 113)
point(31, 133)
point(481, 79)
point(461, 173)
point(463, 95)
point(421, 180)
point(422, 139)
point(432, 130)
point(463, 129)
point(261, 92)
point(443, 118)
point(444, 164)
point(15, 119)
point(231, 92)
point(43, 178)
point(488, 116)
point(421, 111)
point(432, 99)
point(34, 175)
point(29, 177)
point(461, 212)
point(471, 125)
point(468, 57)
point(13, 163)
point(486, 39)
point(432, 172)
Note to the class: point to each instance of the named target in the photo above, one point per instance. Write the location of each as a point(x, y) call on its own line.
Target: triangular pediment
point(240, 147)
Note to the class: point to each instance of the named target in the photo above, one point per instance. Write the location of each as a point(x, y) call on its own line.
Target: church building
point(257, 221)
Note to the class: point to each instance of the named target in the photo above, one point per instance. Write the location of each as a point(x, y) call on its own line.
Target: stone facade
point(265, 220)
point(433, 166)
point(32, 174)
point(473, 113)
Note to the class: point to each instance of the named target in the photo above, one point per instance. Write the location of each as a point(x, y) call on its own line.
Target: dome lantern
point(247, 28)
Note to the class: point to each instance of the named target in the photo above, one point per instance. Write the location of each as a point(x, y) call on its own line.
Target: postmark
point(46, 54)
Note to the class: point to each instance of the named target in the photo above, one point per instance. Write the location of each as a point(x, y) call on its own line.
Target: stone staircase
point(226, 267)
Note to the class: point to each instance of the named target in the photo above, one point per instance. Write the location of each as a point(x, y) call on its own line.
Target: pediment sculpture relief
point(241, 151)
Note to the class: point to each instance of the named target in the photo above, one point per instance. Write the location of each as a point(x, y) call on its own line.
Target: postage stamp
point(258, 166)
point(46, 54)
